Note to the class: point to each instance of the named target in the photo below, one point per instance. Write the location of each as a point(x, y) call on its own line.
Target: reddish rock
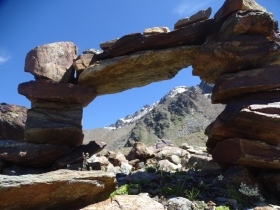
point(128, 202)
point(76, 155)
point(82, 61)
point(231, 6)
point(139, 151)
point(250, 22)
point(199, 16)
point(54, 123)
point(62, 189)
point(12, 121)
point(243, 119)
point(192, 34)
point(51, 61)
point(248, 153)
point(229, 86)
point(107, 44)
point(34, 155)
point(119, 159)
point(239, 53)
point(49, 90)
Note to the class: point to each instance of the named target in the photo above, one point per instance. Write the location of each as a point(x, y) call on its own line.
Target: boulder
point(199, 16)
point(76, 155)
point(51, 61)
point(49, 90)
point(168, 151)
point(250, 22)
point(54, 123)
point(193, 34)
point(136, 70)
point(248, 153)
point(231, 6)
point(229, 86)
point(156, 30)
point(239, 53)
point(119, 159)
point(127, 202)
point(82, 61)
point(107, 44)
point(258, 120)
point(140, 151)
point(12, 121)
point(166, 165)
point(33, 155)
point(62, 189)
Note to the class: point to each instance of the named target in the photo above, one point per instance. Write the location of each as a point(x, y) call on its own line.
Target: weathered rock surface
point(34, 155)
point(140, 151)
point(62, 189)
point(76, 155)
point(257, 119)
point(82, 61)
point(49, 90)
point(107, 44)
point(12, 121)
point(239, 53)
point(229, 86)
point(250, 22)
point(199, 16)
point(248, 153)
point(54, 123)
point(126, 202)
point(190, 35)
point(136, 70)
point(156, 30)
point(231, 6)
point(51, 61)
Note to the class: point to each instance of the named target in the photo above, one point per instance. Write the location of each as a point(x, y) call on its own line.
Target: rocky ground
point(182, 178)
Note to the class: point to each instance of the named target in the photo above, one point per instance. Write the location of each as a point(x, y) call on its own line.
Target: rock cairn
point(242, 58)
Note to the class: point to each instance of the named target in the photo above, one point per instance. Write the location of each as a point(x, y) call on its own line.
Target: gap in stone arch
point(119, 105)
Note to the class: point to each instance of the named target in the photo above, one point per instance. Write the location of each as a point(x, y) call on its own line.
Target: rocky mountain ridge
point(181, 112)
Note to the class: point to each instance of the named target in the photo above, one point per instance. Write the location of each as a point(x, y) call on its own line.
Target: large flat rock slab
point(34, 155)
point(51, 61)
point(231, 6)
point(127, 202)
point(248, 153)
point(193, 34)
point(12, 121)
point(136, 70)
point(239, 53)
point(62, 189)
point(250, 22)
point(54, 123)
point(49, 90)
point(229, 86)
point(255, 116)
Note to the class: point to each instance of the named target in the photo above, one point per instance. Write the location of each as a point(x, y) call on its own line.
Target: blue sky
point(30, 23)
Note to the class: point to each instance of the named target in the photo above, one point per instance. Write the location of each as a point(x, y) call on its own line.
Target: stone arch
point(235, 50)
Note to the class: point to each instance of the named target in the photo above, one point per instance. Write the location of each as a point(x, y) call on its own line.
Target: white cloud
point(190, 7)
point(4, 56)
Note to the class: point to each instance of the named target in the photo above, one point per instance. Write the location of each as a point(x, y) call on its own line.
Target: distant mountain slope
point(181, 116)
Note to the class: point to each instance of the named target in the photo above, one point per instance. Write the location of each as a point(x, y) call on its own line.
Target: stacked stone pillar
point(55, 117)
point(242, 58)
